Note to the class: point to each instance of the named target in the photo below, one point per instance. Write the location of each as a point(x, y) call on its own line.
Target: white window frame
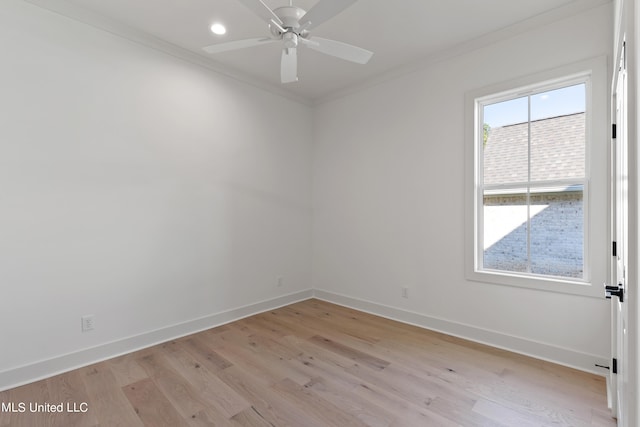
point(593, 73)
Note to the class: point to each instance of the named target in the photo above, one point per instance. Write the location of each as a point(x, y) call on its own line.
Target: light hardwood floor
point(317, 364)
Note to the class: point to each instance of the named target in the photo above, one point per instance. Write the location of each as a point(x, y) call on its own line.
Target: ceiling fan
point(292, 25)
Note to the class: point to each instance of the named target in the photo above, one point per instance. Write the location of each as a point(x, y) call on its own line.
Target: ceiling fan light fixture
point(218, 29)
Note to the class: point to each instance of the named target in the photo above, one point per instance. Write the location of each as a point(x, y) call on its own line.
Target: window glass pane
point(559, 102)
point(505, 232)
point(557, 232)
point(558, 134)
point(506, 113)
point(505, 147)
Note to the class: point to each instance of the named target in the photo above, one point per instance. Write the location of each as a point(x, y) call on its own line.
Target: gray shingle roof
point(557, 150)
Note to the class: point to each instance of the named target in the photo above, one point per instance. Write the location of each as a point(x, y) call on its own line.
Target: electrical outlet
point(405, 292)
point(87, 323)
point(280, 282)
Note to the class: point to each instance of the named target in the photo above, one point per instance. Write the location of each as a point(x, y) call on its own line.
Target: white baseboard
point(539, 350)
point(46, 368)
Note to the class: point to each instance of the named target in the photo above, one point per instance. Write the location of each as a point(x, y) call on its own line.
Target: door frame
point(626, 22)
point(617, 379)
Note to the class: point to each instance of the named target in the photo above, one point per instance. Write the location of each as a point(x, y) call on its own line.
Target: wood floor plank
point(272, 407)
point(316, 364)
point(256, 324)
point(323, 366)
point(406, 413)
point(459, 413)
point(337, 373)
point(409, 386)
point(350, 353)
point(505, 416)
point(342, 321)
point(315, 406)
point(539, 408)
point(5, 416)
point(199, 346)
point(278, 319)
point(183, 397)
point(208, 418)
point(257, 356)
point(70, 390)
point(339, 393)
point(126, 370)
point(211, 391)
point(152, 406)
point(107, 401)
point(580, 401)
point(250, 418)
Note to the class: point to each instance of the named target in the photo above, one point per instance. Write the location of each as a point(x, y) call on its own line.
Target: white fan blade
point(340, 50)
point(238, 44)
point(289, 65)
point(324, 10)
point(261, 9)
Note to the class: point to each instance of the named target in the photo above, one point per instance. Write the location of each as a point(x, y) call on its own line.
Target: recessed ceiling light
point(218, 29)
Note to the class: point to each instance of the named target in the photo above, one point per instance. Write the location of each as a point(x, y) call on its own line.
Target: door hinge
point(614, 365)
point(614, 131)
point(614, 249)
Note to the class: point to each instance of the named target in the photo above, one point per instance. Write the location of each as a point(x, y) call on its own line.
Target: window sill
point(540, 283)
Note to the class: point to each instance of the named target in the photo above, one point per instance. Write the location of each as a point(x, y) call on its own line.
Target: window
point(537, 150)
point(532, 181)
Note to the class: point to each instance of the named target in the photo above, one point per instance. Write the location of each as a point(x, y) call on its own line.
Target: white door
point(617, 289)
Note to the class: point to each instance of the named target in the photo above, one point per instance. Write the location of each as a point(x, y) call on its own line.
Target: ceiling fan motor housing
point(290, 17)
point(290, 40)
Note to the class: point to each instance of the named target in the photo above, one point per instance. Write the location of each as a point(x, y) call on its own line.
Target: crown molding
point(114, 27)
point(576, 7)
point(129, 33)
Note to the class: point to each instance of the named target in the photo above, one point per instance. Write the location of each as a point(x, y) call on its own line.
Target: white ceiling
point(399, 32)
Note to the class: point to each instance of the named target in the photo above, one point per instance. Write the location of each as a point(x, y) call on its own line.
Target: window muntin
point(531, 188)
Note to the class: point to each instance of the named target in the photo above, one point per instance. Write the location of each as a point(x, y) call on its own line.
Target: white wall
point(137, 187)
point(389, 205)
